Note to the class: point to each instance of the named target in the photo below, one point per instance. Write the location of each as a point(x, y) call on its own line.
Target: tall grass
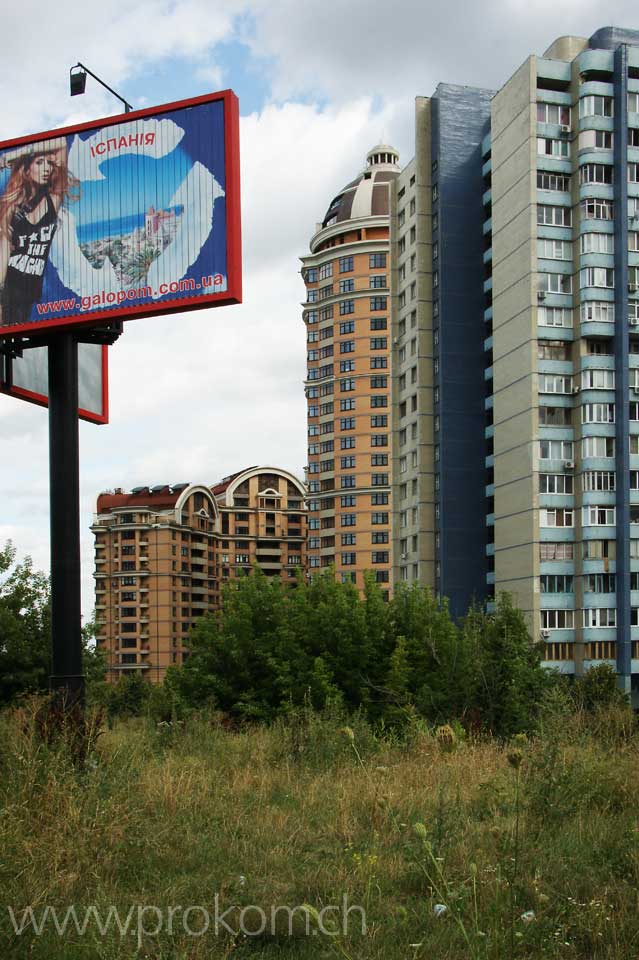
point(451, 848)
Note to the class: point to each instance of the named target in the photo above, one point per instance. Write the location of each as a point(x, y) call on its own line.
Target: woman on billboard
point(38, 185)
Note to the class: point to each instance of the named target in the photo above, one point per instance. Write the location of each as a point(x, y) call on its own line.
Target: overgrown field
point(439, 846)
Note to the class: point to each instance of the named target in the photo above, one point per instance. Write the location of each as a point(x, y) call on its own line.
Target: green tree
point(510, 681)
point(25, 626)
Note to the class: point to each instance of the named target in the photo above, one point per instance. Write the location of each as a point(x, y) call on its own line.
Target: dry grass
point(303, 814)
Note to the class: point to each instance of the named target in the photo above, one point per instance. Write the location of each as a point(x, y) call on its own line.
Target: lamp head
point(77, 81)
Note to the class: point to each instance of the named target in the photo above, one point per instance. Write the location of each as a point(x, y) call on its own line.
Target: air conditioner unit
point(569, 464)
point(545, 634)
point(564, 128)
point(576, 389)
point(541, 294)
point(635, 390)
point(403, 556)
point(633, 321)
point(395, 341)
point(633, 287)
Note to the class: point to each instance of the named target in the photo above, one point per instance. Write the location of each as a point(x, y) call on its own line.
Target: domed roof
point(367, 195)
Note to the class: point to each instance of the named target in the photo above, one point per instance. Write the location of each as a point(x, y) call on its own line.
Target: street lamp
point(78, 82)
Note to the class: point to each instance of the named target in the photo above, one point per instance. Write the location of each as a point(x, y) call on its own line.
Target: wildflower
point(515, 758)
point(528, 916)
point(446, 737)
point(420, 830)
point(440, 909)
point(348, 733)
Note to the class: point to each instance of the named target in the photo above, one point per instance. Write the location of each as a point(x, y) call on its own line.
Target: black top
point(30, 246)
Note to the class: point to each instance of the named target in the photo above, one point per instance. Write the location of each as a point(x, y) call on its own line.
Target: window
point(379, 420)
point(600, 617)
point(346, 366)
point(347, 404)
point(346, 306)
point(594, 208)
point(557, 619)
point(554, 216)
point(349, 539)
point(379, 460)
point(346, 443)
point(379, 440)
point(554, 383)
point(598, 413)
point(379, 382)
point(597, 243)
point(633, 103)
point(381, 479)
point(555, 483)
point(556, 551)
point(345, 264)
point(379, 363)
point(598, 447)
point(599, 583)
point(379, 401)
point(556, 517)
point(554, 249)
point(346, 386)
point(379, 323)
point(349, 559)
point(597, 516)
point(554, 317)
point(553, 181)
point(310, 275)
point(346, 286)
point(599, 549)
point(347, 423)
point(554, 416)
point(598, 480)
point(379, 556)
point(376, 260)
point(347, 462)
point(379, 518)
point(378, 499)
point(348, 519)
point(595, 173)
point(556, 583)
point(595, 106)
point(380, 537)
point(347, 326)
point(553, 350)
point(597, 277)
point(378, 303)
point(555, 450)
point(550, 147)
point(598, 311)
point(553, 113)
point(379, 343)
point(377, 281)
point(555, 282)
point(595, 379)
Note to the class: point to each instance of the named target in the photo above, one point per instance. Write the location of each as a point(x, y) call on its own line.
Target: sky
point(196, 396)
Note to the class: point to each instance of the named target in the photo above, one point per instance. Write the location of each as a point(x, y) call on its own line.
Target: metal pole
point(67, 678)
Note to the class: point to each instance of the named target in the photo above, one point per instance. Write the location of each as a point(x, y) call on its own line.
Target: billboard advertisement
point(129, 216)
point(27, 378)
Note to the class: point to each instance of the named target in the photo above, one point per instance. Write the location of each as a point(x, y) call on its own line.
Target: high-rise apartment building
point(346, 314)
point(515, 326)
point(162, 554)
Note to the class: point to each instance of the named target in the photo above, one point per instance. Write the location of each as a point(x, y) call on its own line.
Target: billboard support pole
point(67, 678)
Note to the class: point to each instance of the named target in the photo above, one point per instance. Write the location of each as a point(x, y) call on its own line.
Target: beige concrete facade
point(412, 362)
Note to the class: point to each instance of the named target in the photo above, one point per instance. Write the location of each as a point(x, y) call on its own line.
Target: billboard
point(27, 378)
point(128, 216)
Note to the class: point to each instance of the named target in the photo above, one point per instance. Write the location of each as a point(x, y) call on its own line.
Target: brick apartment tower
point(163, 553)
point(346, 314)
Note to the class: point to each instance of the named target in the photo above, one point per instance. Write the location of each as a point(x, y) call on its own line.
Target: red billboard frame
point(42, 400)
point(233, 293)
